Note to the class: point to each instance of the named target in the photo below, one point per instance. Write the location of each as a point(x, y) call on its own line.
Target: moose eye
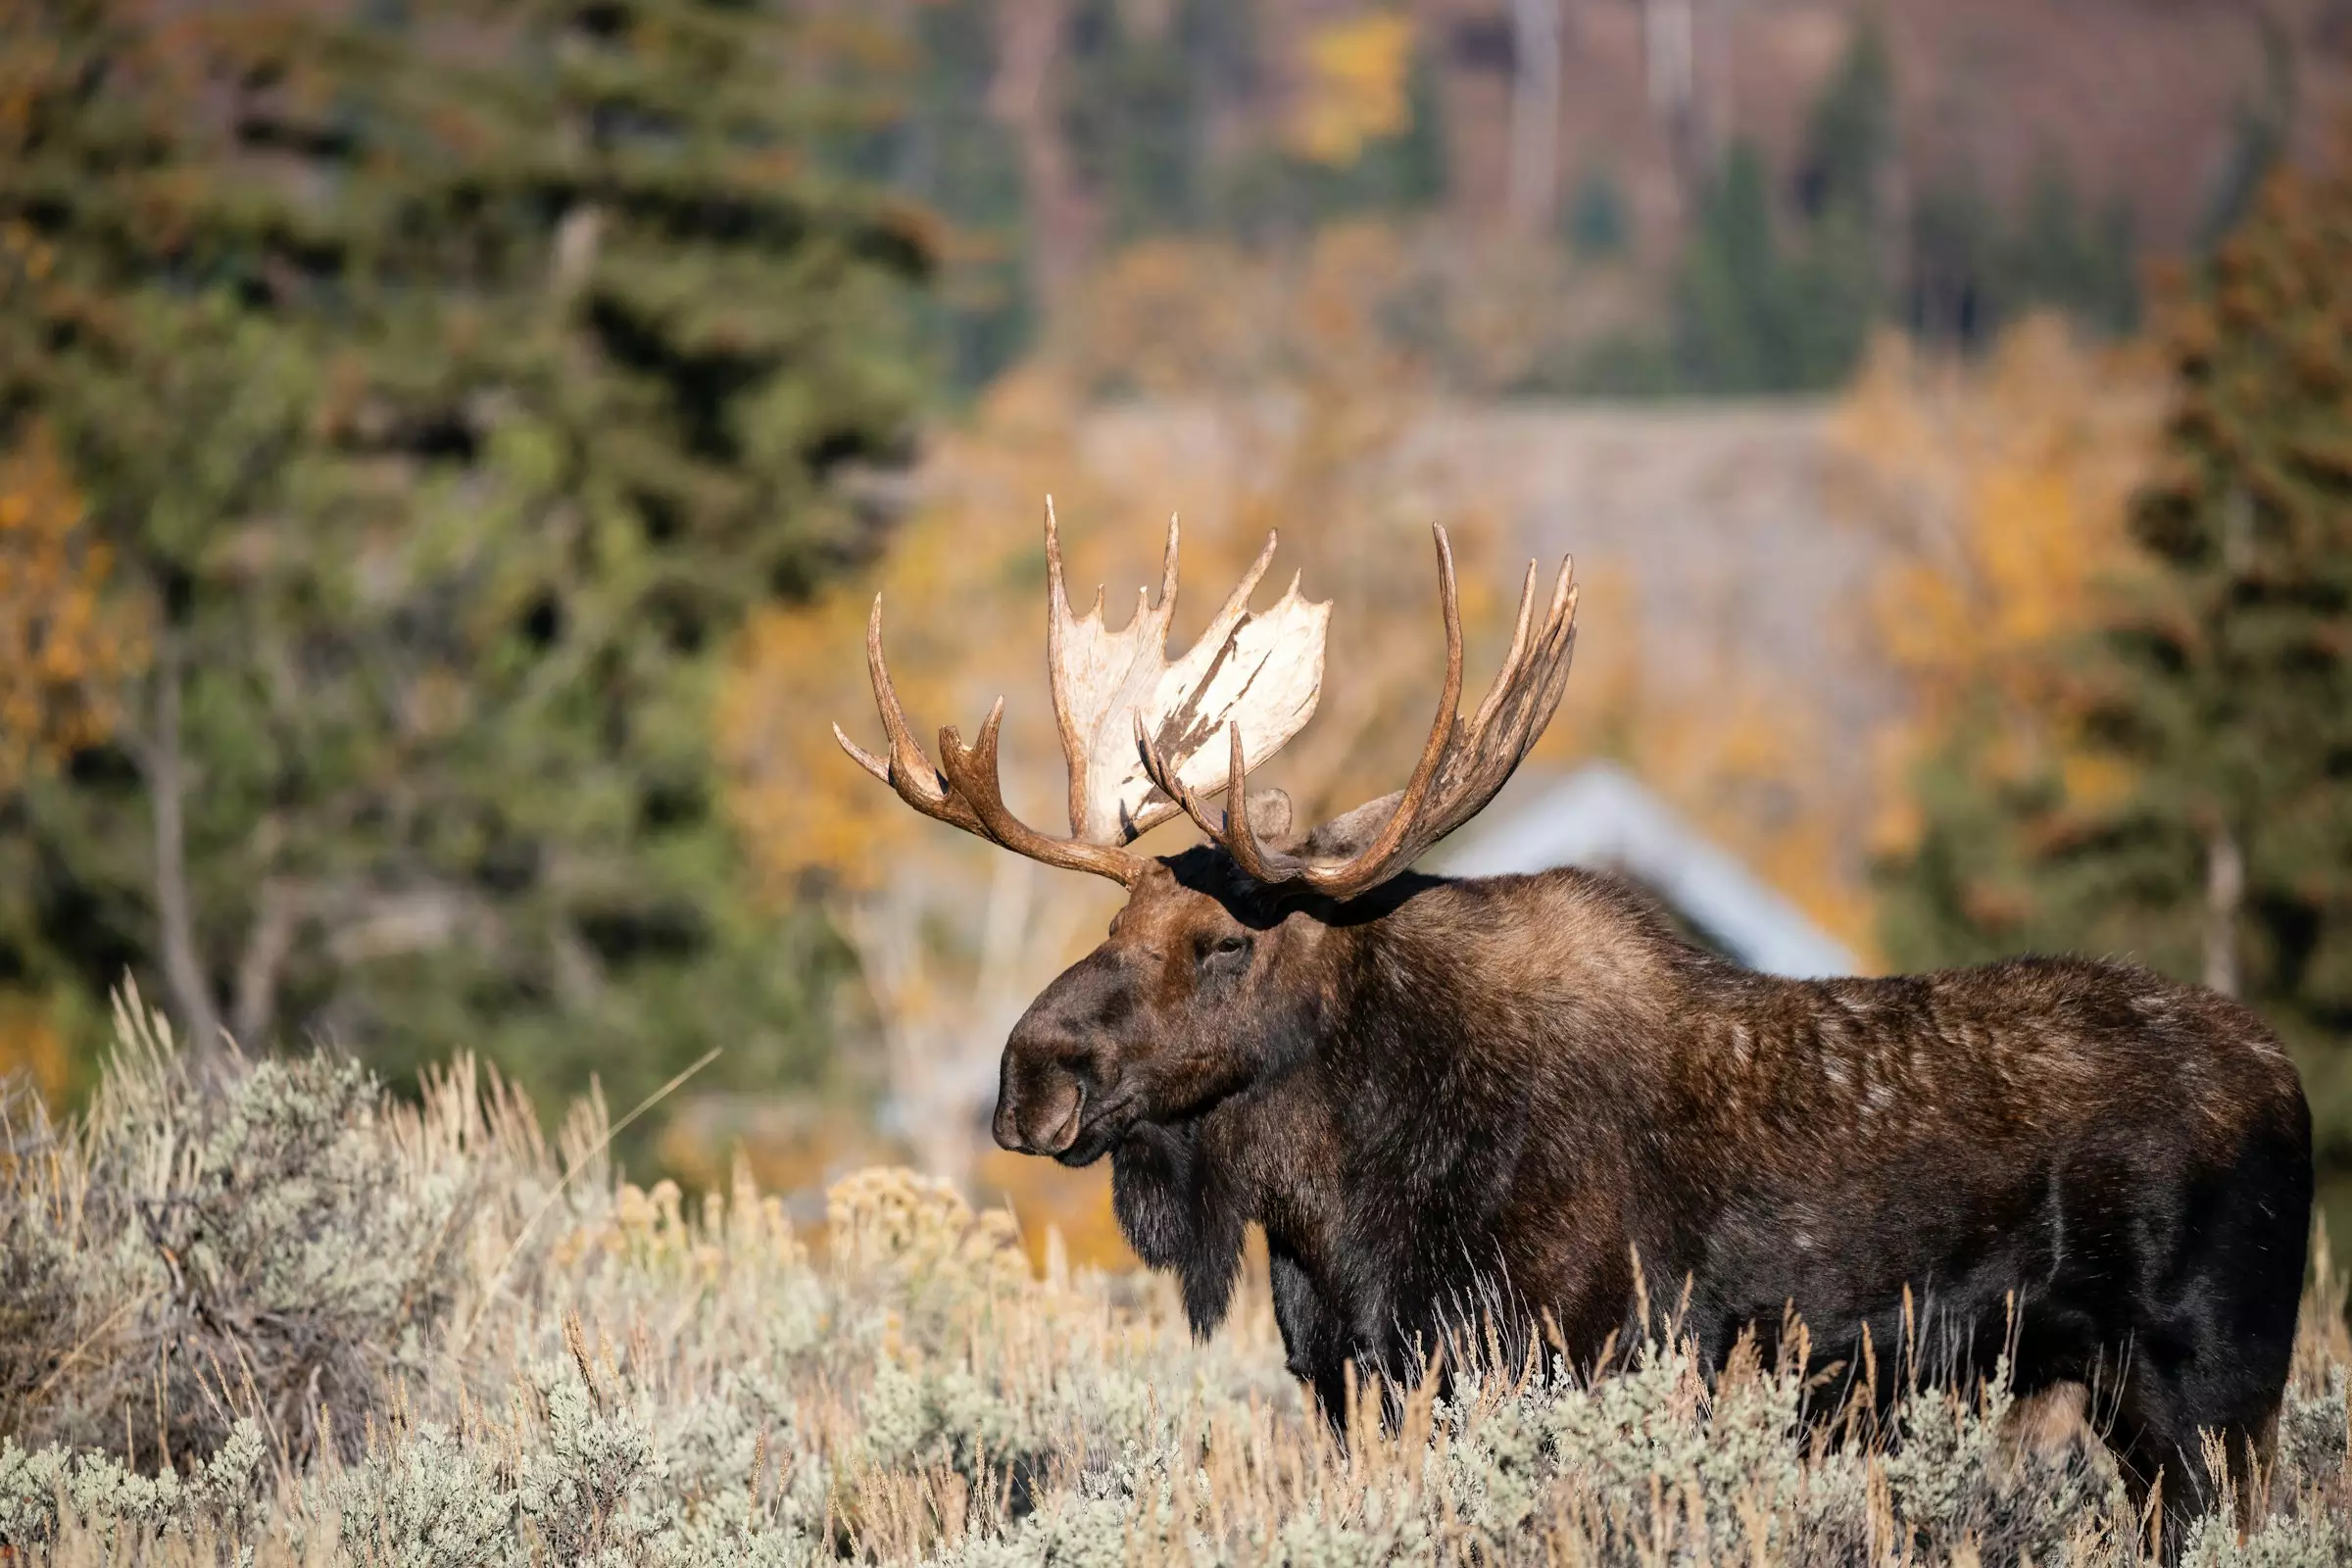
point(1225, 946)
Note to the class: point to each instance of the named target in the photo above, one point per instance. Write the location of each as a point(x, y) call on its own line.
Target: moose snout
point(1045, 1120)
point(1062, 1088)
point(1046, 1086)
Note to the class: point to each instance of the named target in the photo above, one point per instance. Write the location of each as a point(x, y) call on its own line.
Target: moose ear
point(1344, 838)
point(1270, 817)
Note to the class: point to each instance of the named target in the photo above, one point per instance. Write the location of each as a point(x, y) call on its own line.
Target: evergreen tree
point(142, 327)
point(1757, 310)
point(1137, 113)
point(2262, 124)
point(956, 158)
point(1975, 271)
point(1851, 132)
point(1404, 172)
point(500, 362)
point(1952, 254)
point(2057, 258)
point(1733, 316)
point(1596, 220)
point(2219, 689)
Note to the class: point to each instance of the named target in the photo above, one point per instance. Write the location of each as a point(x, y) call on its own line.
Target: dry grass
point(280, 1319)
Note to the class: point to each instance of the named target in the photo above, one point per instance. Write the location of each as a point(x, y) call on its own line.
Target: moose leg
point(2150, 1452)
point(2213, 1328)
point(1314, 1341)
point(2164, 1420)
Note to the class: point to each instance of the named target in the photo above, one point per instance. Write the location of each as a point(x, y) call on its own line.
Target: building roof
point(1601, 818)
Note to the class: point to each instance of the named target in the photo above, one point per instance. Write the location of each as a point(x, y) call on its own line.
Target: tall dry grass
point(277, 1317)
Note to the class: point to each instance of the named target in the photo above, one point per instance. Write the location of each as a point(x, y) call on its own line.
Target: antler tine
point(1240, 838)
point(1169, 782)
point(1057, 616)
point(860, 756)
point(907, 770)
point(1528, 688)
point(1510, 662)
point(1556, 645)
point(1560, 624)
point(1167, 567)
point(1237, 603)
point(972, 770)
point(1392, 833)
point(1057, 599)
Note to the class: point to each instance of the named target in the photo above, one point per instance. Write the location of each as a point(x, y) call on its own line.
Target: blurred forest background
point(447, 453)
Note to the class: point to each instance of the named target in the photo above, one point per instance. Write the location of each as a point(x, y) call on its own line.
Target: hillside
point(2140, 100)
point(1135, 117)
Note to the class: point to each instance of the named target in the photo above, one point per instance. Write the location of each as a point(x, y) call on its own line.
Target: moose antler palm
point(1139, 732)
point(1257, 675)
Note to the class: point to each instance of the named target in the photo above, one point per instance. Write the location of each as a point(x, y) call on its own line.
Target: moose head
point(1208, 974)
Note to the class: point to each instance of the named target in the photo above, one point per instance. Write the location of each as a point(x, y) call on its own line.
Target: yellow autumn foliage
point(32, 1046)
point(2001, 491)
point(65, 648)
point(1353, 86)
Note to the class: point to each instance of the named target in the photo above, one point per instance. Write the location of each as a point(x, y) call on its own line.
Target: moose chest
point(1387, 1235)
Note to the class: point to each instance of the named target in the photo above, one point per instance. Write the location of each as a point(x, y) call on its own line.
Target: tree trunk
point(1533, 182)
point(2225, 892)
point(167, 786)
point(1669, 47)
point(1026, 98)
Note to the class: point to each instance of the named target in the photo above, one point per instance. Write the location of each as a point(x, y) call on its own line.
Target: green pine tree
point(1137, 114)
point(2060, 256)
point(1850, 131)
point(148, 321)
point(1732, 326)
point(1767, 302)
point(506, 358)
point(951, 154)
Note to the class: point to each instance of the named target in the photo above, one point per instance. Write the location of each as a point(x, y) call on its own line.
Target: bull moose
point(1529, 1090)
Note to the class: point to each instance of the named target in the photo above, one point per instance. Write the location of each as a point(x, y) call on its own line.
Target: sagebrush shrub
point(182, 1258)
point(273, 1316)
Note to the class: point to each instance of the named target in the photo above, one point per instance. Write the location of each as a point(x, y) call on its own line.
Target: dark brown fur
point(1450, 1094)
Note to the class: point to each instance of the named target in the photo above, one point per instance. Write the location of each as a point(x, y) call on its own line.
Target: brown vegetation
point(609, 1373)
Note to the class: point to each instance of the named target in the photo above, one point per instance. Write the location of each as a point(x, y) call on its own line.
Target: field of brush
point(278, 1317)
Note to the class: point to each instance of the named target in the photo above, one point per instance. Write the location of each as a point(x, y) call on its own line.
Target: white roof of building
point(1599, 818)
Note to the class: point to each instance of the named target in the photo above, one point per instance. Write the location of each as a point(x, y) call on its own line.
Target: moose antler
point(1256, 676)
point(1460, 769)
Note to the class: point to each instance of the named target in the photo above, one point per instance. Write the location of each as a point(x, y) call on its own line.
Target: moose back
point(1513, 1095)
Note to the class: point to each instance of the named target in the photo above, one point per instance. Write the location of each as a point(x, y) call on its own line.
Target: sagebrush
point(269, 1314)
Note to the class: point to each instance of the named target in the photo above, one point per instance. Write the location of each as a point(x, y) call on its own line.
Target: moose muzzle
point(1041, 1103)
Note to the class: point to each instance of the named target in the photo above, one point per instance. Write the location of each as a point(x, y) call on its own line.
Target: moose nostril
point(1064, 1132)
point(1005, 1126)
